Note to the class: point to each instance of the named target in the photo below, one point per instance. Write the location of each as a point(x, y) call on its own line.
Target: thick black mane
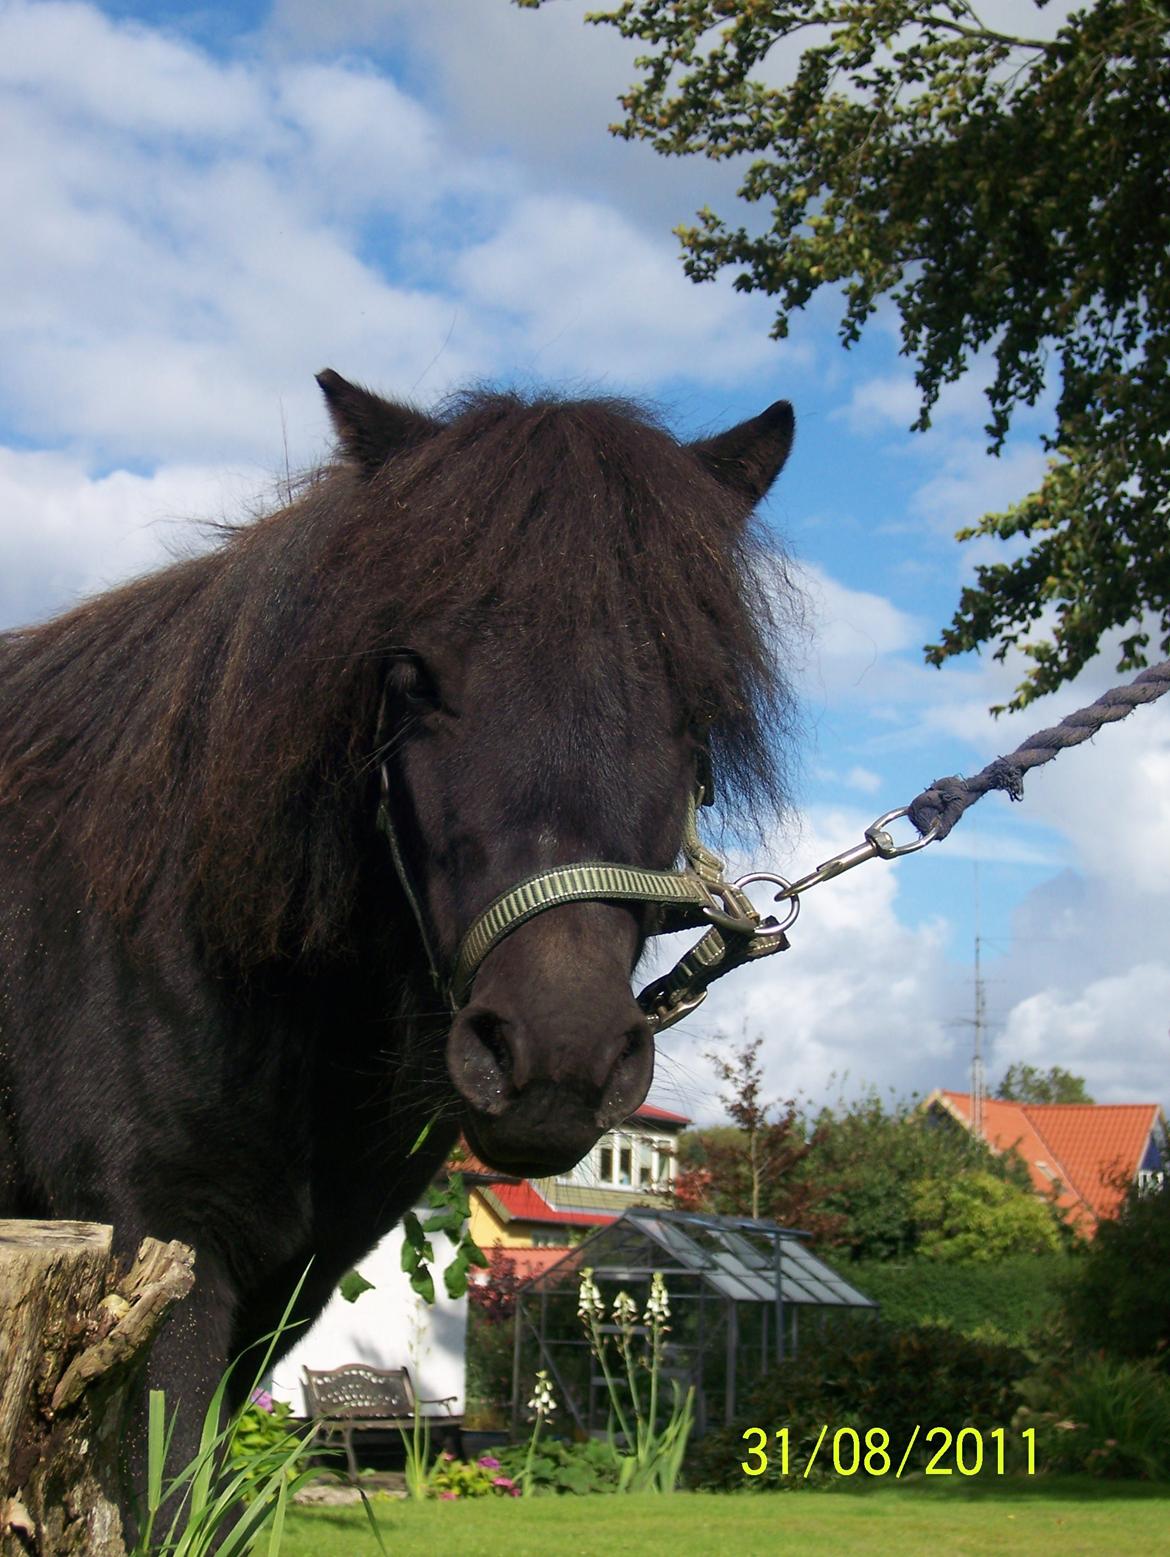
point(198, 733)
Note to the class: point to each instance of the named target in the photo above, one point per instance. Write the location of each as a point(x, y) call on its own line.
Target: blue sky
point(205, 205)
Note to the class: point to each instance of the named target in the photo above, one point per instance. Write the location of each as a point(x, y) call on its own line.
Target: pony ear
point(370, 430)
point(748, 458)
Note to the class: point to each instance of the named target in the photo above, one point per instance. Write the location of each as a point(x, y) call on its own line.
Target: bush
point(866, 1373)
point(1014, 1300)
point(1100, 1416)
point(975, 1218)
point(1118, 1300)
point(482, 1478)
point(566, 1467)
point(489, 1370)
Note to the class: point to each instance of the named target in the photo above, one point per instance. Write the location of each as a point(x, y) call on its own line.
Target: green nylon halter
point(695, 896)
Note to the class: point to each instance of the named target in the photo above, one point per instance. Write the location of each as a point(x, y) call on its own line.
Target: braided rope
point(941, 806)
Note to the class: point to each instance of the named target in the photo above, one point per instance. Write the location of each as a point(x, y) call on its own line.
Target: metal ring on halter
point(773, 930)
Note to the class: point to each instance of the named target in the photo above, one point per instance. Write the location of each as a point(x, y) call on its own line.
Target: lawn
point(1058, 1517)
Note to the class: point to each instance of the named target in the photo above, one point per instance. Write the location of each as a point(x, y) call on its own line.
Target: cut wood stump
point(73, 1338)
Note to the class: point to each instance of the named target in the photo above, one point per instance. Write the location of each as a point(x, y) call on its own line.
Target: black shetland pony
point(217, 1020)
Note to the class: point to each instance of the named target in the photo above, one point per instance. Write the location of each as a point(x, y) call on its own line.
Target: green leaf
point(352, 1285)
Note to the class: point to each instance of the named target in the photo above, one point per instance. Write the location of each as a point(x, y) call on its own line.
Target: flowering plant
point(654, 1456)
point(452, 1478)
point(542, 1404)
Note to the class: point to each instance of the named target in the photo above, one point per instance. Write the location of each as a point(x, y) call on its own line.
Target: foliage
point(977, 1218)
point(1025, 1084)
point(753, 1167)
point(416, 1452)
point(1119, 1297)
point(489, 1370)
point(872, 1155)
point(865, 1373)
point(491, 1331)
point(264, 1432)
point(485, 1477)
point(1005, 193)
point(578, 1468)
point(450, 1211)
point(493, 1297)
point(1018, 1298)
point(1100, 1417)
point(352, 1285)
point(197, 1509)
point(653, 1455)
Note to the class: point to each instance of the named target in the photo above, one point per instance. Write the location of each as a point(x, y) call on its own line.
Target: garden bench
point(358, 1398)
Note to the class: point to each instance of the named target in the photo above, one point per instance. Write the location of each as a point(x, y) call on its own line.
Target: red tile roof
point(648, 1111)
point(522, 1203)
point(1092, 1151)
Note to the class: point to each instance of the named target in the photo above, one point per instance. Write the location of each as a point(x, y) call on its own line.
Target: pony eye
point(412, 683)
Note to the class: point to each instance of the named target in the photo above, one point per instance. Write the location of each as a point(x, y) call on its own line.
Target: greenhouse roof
point(739, 1258)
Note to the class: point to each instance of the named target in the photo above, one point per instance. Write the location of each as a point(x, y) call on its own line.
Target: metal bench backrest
point(358, 1391)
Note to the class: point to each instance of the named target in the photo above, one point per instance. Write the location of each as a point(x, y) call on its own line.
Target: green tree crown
point(1007, 194)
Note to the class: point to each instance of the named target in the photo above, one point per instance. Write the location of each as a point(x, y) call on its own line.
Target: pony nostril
point(488, 1028)
point(629, 1077)
point(636, 1038)
point(481, 1060)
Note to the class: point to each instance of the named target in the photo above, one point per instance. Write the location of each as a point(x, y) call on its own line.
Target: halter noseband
point(695, 897)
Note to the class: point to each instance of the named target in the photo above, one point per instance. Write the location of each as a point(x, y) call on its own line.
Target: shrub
point(264, 1431)
point(865, 1373)
point(485, 1477)
point(566, 1467)
point(1100, 1416)
point(1015, 1299)
point(976, 1218)
point(1118, 1299)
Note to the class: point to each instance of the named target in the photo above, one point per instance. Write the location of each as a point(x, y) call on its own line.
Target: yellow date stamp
point(848, 1451)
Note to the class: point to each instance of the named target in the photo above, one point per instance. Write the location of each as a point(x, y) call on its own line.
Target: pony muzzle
point(539, 1095)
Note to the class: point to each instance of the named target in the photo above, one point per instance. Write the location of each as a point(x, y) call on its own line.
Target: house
point(1084, 1156)
point(632, 1165)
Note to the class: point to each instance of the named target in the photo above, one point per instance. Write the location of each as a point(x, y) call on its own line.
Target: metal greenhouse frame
point(737, 1291)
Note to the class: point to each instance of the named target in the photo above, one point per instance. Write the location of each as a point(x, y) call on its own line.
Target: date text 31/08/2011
point(969, 1452)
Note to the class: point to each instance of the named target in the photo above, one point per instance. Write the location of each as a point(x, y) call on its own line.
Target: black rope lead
point(941, 806)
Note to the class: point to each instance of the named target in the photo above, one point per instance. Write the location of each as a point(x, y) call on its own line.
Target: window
point(605, 1163)
point(625, 1165)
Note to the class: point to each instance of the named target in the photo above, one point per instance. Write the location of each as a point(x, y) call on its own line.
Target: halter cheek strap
point(695, 897)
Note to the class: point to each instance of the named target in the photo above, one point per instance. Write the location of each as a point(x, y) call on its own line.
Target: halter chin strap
point(696, 896)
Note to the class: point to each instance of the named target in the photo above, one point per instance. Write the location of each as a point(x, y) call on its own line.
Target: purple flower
point(261, 1398)
point(489, 1462)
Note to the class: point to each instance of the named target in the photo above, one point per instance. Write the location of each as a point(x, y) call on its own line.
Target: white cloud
point(66, 534)
point(592, 295)
point(1112, 1031)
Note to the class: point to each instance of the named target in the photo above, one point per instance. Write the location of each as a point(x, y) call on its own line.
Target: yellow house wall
point(488, 1230)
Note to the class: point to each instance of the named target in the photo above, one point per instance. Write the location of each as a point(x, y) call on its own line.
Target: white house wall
point(389, 1327)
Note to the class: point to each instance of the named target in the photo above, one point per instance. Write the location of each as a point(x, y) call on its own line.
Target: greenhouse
point(739, 1293)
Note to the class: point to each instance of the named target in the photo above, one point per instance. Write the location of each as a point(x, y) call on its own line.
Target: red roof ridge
point(1088, 1147)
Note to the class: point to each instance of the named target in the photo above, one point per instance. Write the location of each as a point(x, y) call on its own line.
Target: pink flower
point(503, 1481)
point(447, 1455)
point(489, 1462)
point(447, 1496)
point(261, 1398)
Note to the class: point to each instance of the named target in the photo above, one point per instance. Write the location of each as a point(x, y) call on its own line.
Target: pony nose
point(492, 1058)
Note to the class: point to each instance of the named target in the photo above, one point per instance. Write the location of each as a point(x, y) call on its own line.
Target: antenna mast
point(978, 1081)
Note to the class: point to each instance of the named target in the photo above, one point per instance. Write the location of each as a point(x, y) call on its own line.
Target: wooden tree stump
point(73, 1338)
